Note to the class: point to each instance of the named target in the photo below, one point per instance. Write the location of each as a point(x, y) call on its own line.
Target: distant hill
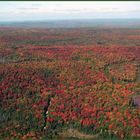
point(111, 23)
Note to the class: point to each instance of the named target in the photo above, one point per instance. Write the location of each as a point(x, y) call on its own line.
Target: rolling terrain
point(69, 82)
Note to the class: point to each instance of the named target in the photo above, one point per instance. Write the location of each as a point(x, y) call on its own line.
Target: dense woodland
point(83, 79)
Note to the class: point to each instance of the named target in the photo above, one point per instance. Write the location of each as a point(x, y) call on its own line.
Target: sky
point(59, 10)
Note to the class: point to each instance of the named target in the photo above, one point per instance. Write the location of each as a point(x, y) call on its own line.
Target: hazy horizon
point(21, 11)
point(82, 19)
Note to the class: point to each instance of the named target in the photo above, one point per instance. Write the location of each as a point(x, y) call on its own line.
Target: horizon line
point(43, 20)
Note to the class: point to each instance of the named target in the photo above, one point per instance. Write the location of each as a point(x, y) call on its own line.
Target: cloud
point(32, 8)
point(64, 8)
point(68, 9)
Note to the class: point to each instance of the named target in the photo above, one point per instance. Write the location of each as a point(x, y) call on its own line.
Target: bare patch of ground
point(73, 133)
